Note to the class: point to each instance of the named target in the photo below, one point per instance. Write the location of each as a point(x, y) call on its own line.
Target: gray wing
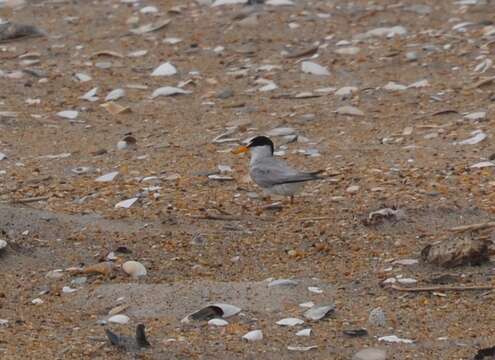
point(271, 172)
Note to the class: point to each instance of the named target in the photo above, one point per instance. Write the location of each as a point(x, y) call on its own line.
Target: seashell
point(126, 203)
point(169, 91)
point(165, 69)
point(314, 68)
point(320, 312)
point(218, 322)
point(290, 322)
point(212, 311)
point(134, 269)
point(283, 282)
point(115, 94)
point(254, 335)
point(107, 177)
point(304, 332)
point(301, 348)
point(119, 319)
point(68, 114)
point(68, 290)
point(3, 244)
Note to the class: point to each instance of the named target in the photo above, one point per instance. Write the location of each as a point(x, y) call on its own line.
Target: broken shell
point(169, 91)
point(304, 332)
point(119, 319)
point(165, 69)
point(290, 322)
point(314, 68)
point(301, 348)
point(320, 312)
point(283, 282)
point(107, 177)
point(218, 322)
point(254, 335)
point(115, 95)
point(68, 114)
point(3, 244)
point(134, 269)
point(212, 311)
point(125, 204)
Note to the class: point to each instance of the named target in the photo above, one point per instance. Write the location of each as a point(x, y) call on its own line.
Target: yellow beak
point(240, 150)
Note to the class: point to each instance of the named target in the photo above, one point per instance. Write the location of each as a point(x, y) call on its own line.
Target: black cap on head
point(261, 141)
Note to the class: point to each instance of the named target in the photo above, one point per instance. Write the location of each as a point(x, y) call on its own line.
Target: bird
point(274, 176)
point(127, 343)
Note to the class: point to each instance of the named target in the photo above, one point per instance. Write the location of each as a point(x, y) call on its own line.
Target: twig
point(28, 200)
point(316, 218)
point(217, 217)
point(442, 288)
point(479, 226)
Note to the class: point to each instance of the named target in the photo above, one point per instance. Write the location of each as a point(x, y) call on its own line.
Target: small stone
point(412, 56)
point(370, 354)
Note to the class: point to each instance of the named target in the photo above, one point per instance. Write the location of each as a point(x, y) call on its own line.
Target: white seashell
point(301, 348)
point(280, 2)
point(314, 68)
point(4, 322)
point(134, 269)
point(218, 322)
point(315, 289)
point(3, 244)
point(304, 332)
point(228, 2)
point(281, 131)
point(137, 53)
point(318, 313)
point(37, 301)
point(346, 91)
point(420, 84)
point(165, 69)
point(395, 339)
point(107, 177)
point(407, 281)
point(393, 86)
point(81, 170)
point(90, 95)
point(149, 10)
point(349, 110)
point(482, 165)
point(68, 114)
point(169, 91)
point(254, 335)
point(478, 136)
point(126, 203)
point(3, 156)
point(68, 290)
point(172, 40)
point(82, 77)
point(115, 95)
point(351, 50)
point(290, 322)
point(307, 305)
point(228, 310)
point(476, 116)
point(405, 262)
point(283, 282)
point(119, 319)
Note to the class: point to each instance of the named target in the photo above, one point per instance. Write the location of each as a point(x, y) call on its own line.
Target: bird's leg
point(292, 199)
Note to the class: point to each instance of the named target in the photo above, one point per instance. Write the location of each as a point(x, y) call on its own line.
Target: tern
point(274, 176)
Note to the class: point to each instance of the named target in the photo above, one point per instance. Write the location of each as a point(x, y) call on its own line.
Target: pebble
point(290, 322)
point(370, 354)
